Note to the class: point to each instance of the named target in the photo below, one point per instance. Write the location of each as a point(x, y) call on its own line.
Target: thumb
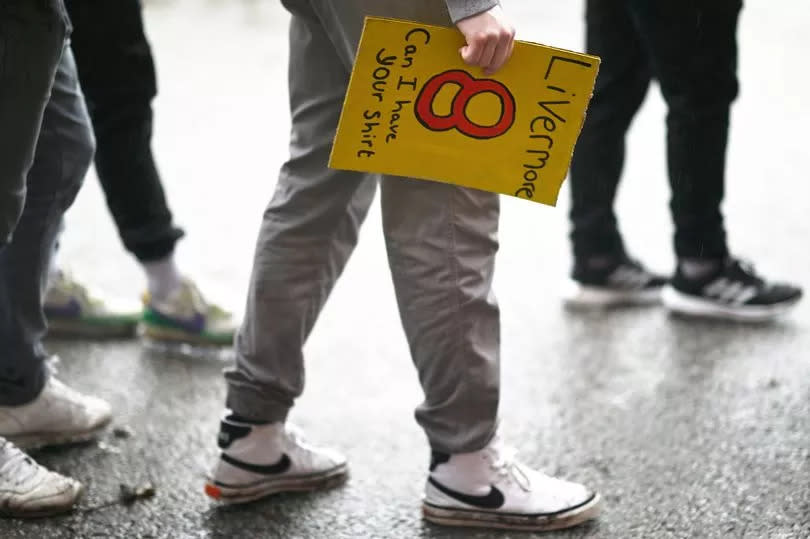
point(466, 54)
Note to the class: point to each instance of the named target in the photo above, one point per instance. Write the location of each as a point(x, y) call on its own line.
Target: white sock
point(162, 277)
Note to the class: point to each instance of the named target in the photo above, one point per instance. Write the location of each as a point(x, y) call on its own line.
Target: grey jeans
point(441, 243)
point(63, 154)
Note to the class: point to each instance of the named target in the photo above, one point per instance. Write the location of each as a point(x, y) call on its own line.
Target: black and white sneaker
point(733, 291)
point(622, 281)
point(490, 489)
point(260, 460)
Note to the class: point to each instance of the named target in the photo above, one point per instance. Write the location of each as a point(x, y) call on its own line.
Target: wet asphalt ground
point(688, 428)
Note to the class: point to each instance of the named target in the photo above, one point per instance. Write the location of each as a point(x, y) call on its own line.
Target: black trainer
point(605, 283)
point(733, 291)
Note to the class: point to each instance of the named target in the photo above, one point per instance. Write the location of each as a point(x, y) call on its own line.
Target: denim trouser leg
point(32, 35)
point(63, 154)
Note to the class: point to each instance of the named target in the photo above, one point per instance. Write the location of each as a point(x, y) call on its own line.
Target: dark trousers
point(117, 75)
point(690, 48)
point(32, 35)
point(63, 154)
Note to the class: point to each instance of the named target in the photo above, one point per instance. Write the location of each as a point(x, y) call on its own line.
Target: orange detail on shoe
point(213, 491)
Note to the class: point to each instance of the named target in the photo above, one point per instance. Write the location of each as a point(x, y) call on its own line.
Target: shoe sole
point(79, 330)
point(692, 306)
point(470, 518)
point(230, 495)
point(580, 296)
point(49, 439)
point(78, 492)
point(167, 335)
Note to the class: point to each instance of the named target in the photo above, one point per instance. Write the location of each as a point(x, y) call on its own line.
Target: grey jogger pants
point(441, 243)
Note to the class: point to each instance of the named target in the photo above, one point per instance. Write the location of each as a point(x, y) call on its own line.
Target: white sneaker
point(30, 490)
point(59, 415)
point(260, 460)
point(73, 312)
point(186, 317)
point(489, 489)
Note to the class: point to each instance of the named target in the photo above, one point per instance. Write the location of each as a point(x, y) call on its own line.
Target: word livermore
point(541, 127)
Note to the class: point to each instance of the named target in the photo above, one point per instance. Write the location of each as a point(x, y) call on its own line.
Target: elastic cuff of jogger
point(254, 406)
point(459, 443)
point(155, 249)
point(22, 389)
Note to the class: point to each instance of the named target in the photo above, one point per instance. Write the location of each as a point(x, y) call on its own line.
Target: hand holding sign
point(490, 40)
point(414, 108)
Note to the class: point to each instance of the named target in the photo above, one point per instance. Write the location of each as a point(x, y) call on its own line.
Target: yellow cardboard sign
point(414, 108)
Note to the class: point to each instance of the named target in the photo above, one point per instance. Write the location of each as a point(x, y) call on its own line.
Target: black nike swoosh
point(492, 500)
point(271, 469)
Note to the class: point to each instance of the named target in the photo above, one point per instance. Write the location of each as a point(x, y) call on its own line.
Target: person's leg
point(602, 272)
point(693, 51)
point(36, 409)
point(32, 35)
point(598, 159)
point(308, 232)
point(692, 47)
point(63, 153)
point(117, 74)
point(441, 243)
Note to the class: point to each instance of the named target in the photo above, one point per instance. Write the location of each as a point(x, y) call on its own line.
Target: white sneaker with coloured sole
point(59, 415)
point(265, 459)
point(490, 489)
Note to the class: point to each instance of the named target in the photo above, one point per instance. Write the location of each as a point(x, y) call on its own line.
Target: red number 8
point(458, 119)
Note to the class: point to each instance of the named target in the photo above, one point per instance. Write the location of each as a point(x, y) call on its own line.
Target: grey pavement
point(689, 429)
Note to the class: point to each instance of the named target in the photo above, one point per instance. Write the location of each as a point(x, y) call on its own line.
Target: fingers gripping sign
point(490, 40)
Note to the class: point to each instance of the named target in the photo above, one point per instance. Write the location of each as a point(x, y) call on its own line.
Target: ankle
point(698, 268)
point(162, 276)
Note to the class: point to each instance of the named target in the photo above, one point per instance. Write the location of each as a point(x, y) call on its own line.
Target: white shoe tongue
point(16, 465)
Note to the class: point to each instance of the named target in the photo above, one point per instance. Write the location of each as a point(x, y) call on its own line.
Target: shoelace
point(16, 465)
point(747, 268)
point(296, 436)
point(196, 297)
point(185, 302)
point(504, 464)
point(200, 303)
